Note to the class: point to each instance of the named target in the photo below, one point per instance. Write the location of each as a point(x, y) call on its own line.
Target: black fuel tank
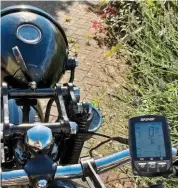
point(41, 42)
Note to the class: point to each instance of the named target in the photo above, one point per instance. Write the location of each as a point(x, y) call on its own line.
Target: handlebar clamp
point(90, 173)
point(85, 161)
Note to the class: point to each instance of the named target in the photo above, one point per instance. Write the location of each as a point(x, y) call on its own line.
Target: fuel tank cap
point(29, 33)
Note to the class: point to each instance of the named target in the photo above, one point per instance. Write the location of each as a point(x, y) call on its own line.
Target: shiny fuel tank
point(42, 44)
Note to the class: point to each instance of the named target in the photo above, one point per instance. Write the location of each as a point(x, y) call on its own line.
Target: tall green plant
point(148, 32)
point(154, 61)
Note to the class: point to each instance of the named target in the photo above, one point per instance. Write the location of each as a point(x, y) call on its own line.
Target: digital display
point(149, 139)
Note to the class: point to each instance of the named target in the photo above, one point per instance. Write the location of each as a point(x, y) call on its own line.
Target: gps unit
point(150, 146)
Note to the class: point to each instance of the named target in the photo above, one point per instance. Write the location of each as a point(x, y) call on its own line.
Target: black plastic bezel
point(132, 141)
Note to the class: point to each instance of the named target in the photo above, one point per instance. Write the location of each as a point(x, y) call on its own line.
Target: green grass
point(151, 47)
point(154, 66)
point(154, 63)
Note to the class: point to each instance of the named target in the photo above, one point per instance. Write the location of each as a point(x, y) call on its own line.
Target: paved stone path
point(76, 20)
point(90, 74)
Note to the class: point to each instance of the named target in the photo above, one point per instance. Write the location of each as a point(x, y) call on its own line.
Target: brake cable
point(117, 139)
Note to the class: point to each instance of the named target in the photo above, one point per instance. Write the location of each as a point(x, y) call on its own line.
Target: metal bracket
point(71, 64)
point(60, 104)
point(90, 173)
point(73, 97)
point(5, 116)
point(5, 105)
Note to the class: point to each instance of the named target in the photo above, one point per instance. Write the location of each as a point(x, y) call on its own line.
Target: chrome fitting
point(42, 184)
point(77, 93)
point(33, 85)
point(39, 138)
point(73, 128)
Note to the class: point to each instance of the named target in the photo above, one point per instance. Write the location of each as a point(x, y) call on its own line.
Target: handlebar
point(20, 177)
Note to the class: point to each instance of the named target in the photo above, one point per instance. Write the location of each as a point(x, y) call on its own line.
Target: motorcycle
point(34, 151)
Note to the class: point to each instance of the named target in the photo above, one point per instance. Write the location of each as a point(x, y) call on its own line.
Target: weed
point(88, 37)
point(75, 46)
point(70, 40)
point(68, 19)
point(96, 101)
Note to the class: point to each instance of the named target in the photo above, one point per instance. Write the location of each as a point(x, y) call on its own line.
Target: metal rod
point(14, 177)
point(5, 104)
point(60, 103)
point(59, 127)
point(119, 164)
point(112, 158)
point(48, 109)
point(39, 93)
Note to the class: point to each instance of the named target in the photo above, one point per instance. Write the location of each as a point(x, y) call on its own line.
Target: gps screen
point(149, 139)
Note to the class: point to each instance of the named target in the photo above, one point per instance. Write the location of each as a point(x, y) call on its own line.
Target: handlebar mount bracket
point(90, 173)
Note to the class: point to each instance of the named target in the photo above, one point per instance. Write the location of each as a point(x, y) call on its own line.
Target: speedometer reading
point(149, 139)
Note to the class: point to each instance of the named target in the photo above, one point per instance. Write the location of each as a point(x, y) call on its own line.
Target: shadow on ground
point(51, 7)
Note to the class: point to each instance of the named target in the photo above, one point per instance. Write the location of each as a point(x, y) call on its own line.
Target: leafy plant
point(114, 49)
point(96, 101)
point(103, 3)
point(88, 37)
point(70, 40)
point(75, 46)
point(68, 19)
point(147, 33)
